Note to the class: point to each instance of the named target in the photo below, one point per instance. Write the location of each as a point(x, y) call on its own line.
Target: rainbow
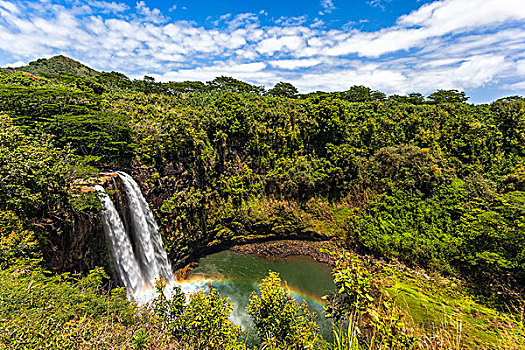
point(239, 316)
point(198, 282)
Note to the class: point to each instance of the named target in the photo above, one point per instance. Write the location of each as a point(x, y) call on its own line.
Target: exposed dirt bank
point(318, 251)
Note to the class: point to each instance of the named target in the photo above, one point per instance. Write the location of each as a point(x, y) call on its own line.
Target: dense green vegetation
point(433, 182)
point(390, 309)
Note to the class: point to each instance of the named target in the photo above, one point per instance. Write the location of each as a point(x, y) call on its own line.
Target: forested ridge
point(434, 182)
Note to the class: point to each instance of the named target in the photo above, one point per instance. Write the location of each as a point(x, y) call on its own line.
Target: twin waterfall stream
point(138, 252)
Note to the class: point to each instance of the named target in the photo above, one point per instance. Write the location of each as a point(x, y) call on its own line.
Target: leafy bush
point(59, 311)
point(279, 320)
point(16, 243)
point(202, 322)
point(363, 314)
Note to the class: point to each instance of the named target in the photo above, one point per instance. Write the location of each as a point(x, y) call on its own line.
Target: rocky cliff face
point(82, 245)
point(211, 235)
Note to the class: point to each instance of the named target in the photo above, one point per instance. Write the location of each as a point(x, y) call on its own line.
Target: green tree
point(509, 114)
point(359, 93)
point(114, 81)
point(414, 98)
point(230, 84)
point(203, 321)
point(36, 179)
point(186, 86)
point(279, 320)
point(448, 96)
point(404, 166)
point(283, 90)
point(16, 243)
point(364, 316)
point(73, 117)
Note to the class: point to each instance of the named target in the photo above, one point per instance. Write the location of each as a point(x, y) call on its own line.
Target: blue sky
point(389, 45)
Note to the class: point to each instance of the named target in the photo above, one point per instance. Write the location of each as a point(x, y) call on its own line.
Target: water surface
point(237, 275)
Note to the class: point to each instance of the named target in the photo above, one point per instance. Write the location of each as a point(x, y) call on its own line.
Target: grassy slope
point(43, 311)
point(448, 316)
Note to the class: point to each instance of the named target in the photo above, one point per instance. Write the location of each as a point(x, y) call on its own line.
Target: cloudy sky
point(393, 46)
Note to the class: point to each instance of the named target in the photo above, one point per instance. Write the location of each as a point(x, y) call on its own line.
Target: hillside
point(57, 65)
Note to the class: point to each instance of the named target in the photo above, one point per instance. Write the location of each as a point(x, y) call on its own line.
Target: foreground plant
point(364, 316)
point(280, 321)
point(201, 323)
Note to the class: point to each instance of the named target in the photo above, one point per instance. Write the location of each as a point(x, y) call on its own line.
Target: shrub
point(364, 316)
point(279, 320)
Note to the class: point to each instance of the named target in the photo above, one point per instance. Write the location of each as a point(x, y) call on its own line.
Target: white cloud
point(294, 64)
point(378, 3)
point(328, 6)
point(252, 72)
point(520, 67)
point(432, 20)
point(318, 23)
point(452, 15)
point(474, 72)
point(108, 7)
point(292, 21)
point(16, 64)
point(284, 43)
point(520, 87)
point(9, 7)
point(243, 19)
point(440, 62)
point(150, 15)
point(381, 79)
point(444, 44)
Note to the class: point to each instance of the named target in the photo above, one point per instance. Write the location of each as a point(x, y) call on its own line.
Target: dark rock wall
point(159, 187)
point(81, 245)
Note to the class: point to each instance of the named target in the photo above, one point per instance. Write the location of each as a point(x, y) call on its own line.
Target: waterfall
point(128, 268)
point(139, 254)
point(146, 231)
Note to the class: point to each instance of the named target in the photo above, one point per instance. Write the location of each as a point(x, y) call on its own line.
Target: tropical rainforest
point(429, 183)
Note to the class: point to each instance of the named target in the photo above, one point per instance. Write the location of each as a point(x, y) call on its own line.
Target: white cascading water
point(140, 264)
point(127, 266)
point(146, 231)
